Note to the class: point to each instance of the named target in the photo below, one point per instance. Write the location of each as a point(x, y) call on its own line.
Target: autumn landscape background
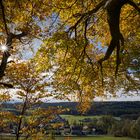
point(69, 69)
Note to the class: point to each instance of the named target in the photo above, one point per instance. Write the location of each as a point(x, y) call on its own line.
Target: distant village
point(117, 119)
point(63, 127)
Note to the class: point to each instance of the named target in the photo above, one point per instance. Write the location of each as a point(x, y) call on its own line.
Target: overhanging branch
point(85, 16)
point(113, 8)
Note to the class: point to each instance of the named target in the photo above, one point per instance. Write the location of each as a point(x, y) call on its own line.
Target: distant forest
point(118, 109)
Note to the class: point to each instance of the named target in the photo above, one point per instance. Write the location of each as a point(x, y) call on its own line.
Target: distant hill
point(123, 109)
point(102, 108)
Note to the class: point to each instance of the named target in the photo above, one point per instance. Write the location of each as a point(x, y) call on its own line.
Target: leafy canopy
point(79, 40)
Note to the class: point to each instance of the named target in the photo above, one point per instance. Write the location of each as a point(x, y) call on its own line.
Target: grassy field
point(94, 138)
point(72, 118)
point(83, 138)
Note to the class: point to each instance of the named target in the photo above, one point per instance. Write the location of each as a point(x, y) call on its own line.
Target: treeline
point(118, 128)
point(121, 109)
point(128, 128)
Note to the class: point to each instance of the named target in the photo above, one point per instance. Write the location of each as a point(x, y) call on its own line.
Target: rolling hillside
point(123, 109)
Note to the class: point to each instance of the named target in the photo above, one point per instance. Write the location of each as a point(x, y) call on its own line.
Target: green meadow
point(72, 118)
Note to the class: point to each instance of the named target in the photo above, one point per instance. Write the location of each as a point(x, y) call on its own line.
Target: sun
point(3, 47)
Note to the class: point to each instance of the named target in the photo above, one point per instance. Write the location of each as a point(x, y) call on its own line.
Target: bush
point(135, 129)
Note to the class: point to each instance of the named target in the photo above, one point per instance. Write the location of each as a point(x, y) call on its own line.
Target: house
point(86, 130)
point(99, 132)
point(58, 119)
point(57, 131)
point(66, 130)
point(93, 131)
point(76, 130)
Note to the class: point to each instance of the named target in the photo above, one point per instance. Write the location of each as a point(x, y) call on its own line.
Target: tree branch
point(134, 5)
point(6, 54)
point(6, 85)
point(3, 16)
point(86, 15)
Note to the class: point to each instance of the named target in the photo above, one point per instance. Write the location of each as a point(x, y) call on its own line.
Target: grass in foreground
point(81, 138)
point(95, 138)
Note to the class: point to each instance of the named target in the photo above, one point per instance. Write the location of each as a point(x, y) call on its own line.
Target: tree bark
point(113, 8)
point(6, 54)
point(20, 120)
point(10, 37)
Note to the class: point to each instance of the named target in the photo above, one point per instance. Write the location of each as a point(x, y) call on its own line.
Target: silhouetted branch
point(6, 54)
point(85, 16)
point(113, 8)
point(6, 85)
point(134, 5)
point(3, 16)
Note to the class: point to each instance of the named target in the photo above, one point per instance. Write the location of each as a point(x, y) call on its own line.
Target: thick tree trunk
point(10, 37)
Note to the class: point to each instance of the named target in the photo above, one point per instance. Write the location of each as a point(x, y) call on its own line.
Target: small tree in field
point(31, 89)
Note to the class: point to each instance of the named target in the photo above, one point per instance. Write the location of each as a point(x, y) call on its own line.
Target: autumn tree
point(30, 89)
point(38, 120)
point(75, 35)
point(83, 65)
point(20, 23)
